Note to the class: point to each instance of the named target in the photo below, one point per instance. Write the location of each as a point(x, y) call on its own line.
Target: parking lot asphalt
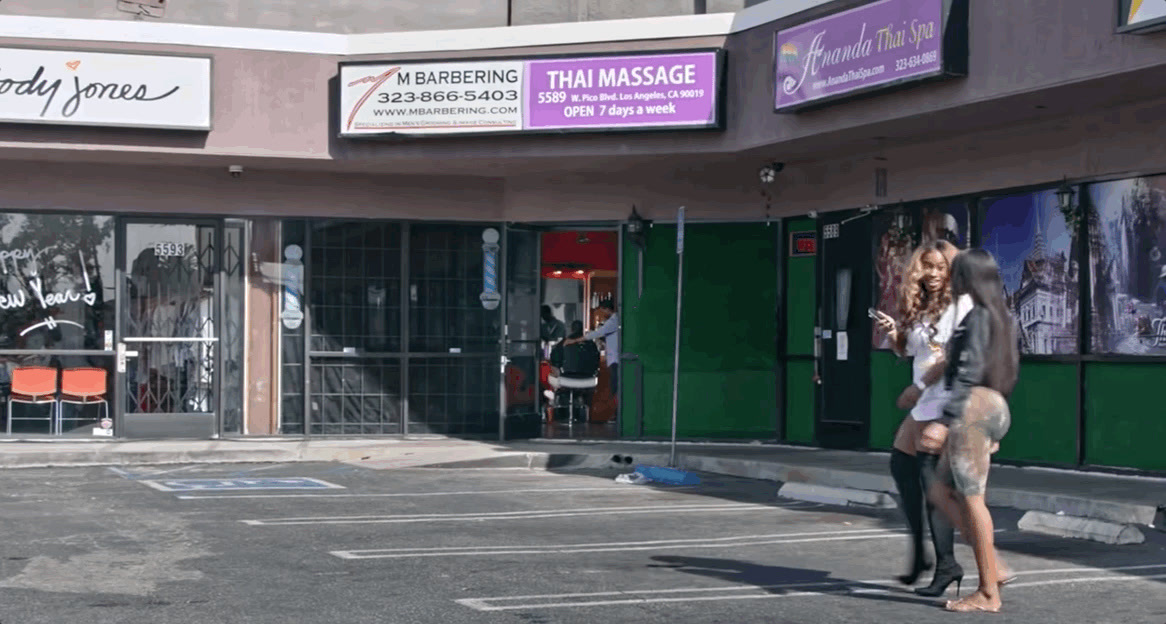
point(339, 543)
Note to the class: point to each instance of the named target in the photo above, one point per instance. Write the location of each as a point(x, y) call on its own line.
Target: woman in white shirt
point(927, 319)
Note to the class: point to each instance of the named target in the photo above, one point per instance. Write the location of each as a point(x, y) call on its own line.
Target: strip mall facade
point(223, 221)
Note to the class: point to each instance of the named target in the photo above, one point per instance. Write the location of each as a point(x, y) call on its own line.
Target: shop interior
point(580, 269)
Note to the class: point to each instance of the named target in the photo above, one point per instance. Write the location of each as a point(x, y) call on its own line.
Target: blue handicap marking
point(265, 483)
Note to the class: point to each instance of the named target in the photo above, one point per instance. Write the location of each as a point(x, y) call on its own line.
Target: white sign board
point(105, 89)
point(432, 98)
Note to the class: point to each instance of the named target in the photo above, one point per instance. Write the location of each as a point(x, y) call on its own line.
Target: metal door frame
point(504, 283)
point(504, 340)
point(121, 297)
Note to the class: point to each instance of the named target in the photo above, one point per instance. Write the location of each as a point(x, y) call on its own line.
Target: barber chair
point(575, 384)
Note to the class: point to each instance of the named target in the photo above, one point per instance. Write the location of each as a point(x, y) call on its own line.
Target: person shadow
point(790, 581)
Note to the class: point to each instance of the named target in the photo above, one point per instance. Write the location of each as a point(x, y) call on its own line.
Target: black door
point(521, 283)
point(844, 294)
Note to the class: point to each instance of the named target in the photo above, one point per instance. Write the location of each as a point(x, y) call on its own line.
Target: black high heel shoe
point(942, 580)
point(921, 566)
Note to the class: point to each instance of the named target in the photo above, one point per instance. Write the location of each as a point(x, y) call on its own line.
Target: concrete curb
point(553, 461)
point(1110, 511)
point(836, 496)
point(1080, 528)
point(54, 459)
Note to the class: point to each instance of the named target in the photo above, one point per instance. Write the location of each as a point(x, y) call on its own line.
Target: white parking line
point(251, 483)
point(612, 489)
point(766, 592)
point(514, 515)
point(552, 549)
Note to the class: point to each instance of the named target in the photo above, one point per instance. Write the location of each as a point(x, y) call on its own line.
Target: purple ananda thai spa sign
point(875, 44)
point(668, 90)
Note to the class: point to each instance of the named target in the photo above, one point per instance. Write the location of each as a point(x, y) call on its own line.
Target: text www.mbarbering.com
point(853, 74)
point(418, 112)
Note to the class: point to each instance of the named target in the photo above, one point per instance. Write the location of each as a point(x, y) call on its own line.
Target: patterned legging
point(986, 419)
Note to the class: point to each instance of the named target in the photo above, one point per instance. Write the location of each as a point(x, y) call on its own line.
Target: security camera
point(236, 171)
point(813, 214)
point(770, 171)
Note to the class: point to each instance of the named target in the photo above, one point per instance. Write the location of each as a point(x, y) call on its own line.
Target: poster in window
point(1127, 220)
point(1036, 249)
point(945, 221)
point(894, 244)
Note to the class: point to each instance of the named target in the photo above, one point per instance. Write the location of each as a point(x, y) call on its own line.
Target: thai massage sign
point(105, 89)
point(647, 91)
point(871, 47)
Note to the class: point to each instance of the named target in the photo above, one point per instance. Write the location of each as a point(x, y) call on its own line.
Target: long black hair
point(975, 272)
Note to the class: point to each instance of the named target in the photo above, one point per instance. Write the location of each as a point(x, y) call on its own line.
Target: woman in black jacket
point(982, 366)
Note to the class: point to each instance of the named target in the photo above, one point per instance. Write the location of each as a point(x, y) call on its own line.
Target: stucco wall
point(342, 16)
point(1121, 141)
point(368, 16)
point(1016, 48)
point(1124, 140)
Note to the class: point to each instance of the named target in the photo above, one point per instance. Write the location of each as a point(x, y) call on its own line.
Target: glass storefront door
point(169, 353)
point(521, 379)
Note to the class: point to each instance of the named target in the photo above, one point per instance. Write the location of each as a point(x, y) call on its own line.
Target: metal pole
point(639, 273)
point(676, 345)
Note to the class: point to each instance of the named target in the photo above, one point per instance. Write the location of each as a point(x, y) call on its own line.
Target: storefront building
point(287, 235)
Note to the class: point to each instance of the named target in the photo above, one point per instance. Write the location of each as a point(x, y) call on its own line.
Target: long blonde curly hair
point(916, 304)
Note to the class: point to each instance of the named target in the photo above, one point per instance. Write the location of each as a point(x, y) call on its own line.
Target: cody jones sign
point(675, 90)
point(865, 48)
point(103, 89)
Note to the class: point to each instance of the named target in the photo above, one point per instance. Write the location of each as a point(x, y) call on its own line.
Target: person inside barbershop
point(608, 331)
point(551, 329)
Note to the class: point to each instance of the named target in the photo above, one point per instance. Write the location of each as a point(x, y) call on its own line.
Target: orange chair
point(81, 386)
point(33, 385)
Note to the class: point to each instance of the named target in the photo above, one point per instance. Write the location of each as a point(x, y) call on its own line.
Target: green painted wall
point(1044, 415)
point(801, 296)
point(1124, 423)
point(799, 400)
point(1044, 409)
point(889, 375)
point(801, 302)
point(728, 383)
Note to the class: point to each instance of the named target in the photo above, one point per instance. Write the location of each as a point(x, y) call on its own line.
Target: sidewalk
point(1115, 498)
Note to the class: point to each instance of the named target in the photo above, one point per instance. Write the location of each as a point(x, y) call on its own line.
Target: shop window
point(945, 221)
point(1035, 245)
point(1128, 270)
point(445, 283)
point(897, 234)
point(56, 313)
point(356, 286)
point(894, 245)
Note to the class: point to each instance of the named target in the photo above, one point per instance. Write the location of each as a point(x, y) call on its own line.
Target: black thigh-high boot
point(947, 570)
point(905, 470)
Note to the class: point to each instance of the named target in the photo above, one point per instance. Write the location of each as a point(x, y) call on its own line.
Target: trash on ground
point(634, 478)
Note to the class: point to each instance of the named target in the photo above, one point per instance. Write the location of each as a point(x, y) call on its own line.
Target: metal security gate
point(169, 359)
